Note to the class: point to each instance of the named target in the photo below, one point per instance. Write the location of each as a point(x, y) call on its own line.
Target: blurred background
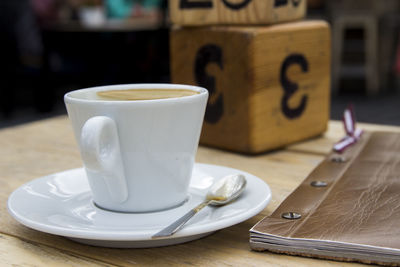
point(50, 47)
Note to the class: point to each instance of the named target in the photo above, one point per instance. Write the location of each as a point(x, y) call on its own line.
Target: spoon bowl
point(226, 189)
point(220, 193)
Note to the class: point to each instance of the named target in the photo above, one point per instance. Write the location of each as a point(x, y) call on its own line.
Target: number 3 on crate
point(269, 86)
point(208, 54)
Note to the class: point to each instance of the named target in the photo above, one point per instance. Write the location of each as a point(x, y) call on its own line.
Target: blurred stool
point(367, 22)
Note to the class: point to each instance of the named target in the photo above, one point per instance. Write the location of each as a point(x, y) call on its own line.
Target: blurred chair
point(365, 15)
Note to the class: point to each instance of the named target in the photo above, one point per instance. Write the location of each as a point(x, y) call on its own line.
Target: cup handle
point(101, 155)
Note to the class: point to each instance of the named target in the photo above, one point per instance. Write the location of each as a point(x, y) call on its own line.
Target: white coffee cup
point(138, 154)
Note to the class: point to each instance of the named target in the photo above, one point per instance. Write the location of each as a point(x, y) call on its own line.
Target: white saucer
point(61, 204)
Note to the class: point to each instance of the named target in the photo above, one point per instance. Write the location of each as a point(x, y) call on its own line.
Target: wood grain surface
point(33, 150)
point(245, 12)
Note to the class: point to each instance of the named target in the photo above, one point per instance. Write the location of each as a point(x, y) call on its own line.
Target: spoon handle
point(178, 224)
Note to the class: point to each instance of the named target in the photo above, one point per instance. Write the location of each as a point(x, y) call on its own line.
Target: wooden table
point(44, 147)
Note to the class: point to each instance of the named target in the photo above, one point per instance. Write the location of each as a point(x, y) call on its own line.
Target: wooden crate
point(207, 12)
point(269, 85)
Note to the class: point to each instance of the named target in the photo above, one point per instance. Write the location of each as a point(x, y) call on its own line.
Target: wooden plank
point(245, 12)
point(323, 145)
point(25, 148)
point(37, 149)
point(17, 252)
point(269, 86)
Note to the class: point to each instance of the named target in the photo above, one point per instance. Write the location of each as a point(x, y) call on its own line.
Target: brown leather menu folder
point(347, 209)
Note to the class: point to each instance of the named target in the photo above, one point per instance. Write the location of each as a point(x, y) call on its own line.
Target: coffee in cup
point(144, 94)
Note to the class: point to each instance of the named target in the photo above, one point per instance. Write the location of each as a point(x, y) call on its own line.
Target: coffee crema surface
point(144, 94)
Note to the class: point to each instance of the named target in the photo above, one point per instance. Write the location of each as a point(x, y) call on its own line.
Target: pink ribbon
point(352, 133)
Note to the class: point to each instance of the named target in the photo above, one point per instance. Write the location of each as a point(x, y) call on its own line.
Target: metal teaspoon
point(220, 193)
